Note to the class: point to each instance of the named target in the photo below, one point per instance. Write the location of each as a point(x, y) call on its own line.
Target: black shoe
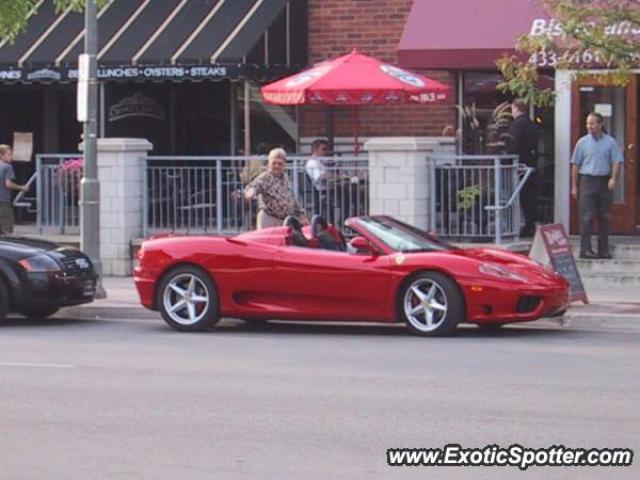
point(605, 255)
point(589, 254)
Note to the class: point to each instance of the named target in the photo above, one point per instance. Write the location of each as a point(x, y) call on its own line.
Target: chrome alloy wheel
point(186, 299)
point(425, 305)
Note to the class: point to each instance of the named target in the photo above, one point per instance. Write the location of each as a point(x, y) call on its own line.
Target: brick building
point(374, 28)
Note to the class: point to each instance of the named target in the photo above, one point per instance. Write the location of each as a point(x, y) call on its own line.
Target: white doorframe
point(562, 147)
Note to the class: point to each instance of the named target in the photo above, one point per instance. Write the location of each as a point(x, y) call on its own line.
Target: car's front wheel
point(431, 304)
point(188, 300)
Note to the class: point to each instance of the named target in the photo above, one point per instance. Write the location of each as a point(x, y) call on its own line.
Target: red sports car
point(388, 272)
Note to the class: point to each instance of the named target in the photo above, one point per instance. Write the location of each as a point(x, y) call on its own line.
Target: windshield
point(401, 237)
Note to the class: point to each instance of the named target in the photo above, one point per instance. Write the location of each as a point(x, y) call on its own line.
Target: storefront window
point(485, 116)
point(484, 113)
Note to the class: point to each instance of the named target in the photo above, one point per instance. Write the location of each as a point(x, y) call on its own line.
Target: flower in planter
point(71, 174)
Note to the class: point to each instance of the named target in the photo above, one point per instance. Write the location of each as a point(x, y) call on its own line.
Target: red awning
point(466, 33)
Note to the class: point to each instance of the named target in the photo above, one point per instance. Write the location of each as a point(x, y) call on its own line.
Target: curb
point(571, 320)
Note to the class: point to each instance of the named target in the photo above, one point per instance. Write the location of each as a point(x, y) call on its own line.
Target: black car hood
point(21, 247)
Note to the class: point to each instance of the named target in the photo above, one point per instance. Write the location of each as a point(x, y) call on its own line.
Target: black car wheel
point(431, 304)
point(188, 300)
point(4, 301)
point(39, 312)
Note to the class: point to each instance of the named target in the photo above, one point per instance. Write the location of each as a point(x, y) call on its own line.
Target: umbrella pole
point(356, 130)
point(329, 126)
point(247, 118)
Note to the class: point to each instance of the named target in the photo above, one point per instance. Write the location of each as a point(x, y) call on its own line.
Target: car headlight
point(40, 263)
point(497, 270)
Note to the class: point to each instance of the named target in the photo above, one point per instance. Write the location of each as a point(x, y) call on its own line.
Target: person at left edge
point(7, 184)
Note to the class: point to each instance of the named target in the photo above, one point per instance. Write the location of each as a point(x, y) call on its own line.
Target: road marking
point(35, 365)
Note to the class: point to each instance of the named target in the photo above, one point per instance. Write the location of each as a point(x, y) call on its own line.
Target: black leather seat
point(297, 237)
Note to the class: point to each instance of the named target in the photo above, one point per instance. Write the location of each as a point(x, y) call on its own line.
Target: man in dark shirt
point(6, 185)
point(523, 141)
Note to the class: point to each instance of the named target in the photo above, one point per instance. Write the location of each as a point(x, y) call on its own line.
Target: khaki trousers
point(6, 218)
point(267, 221)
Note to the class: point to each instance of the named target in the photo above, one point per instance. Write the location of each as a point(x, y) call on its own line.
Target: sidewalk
point(619, 308)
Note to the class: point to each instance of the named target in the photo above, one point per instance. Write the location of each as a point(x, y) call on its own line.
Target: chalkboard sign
point(551, 245)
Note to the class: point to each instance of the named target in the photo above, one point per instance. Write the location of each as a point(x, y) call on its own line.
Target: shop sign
point(137, 105)
point(194, 72)
point(551, 246)
point(125, 72)
point(553, 28)
point(44, 74)
point(10, 74)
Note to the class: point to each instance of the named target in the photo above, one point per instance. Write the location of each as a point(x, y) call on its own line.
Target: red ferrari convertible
point(388, 272)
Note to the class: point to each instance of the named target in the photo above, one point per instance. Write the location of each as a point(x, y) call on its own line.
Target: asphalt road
point(130, 398)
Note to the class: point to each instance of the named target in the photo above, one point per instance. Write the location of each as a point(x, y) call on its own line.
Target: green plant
point(477, 140)
point(467, 197)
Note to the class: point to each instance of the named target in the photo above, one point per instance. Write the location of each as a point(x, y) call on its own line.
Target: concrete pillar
point(562, 180)
point(120, 172)
point(399, 176)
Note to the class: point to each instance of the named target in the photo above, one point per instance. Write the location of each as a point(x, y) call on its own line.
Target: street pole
point(89, 186)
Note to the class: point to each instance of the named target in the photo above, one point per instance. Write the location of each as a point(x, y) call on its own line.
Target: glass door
point(619, 107)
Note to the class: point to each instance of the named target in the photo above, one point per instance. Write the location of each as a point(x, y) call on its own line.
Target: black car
point(37, 278)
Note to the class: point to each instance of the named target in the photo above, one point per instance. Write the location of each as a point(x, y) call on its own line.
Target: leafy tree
point(15, 13)
point(582, 35)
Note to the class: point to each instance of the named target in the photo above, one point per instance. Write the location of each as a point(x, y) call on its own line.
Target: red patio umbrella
point(354, 79)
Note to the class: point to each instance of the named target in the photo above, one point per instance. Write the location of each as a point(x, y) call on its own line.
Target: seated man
point(318, 167)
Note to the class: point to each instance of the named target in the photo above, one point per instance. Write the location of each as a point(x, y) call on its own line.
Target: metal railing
point(58, 192)
point(476, 197)
point(206, 194)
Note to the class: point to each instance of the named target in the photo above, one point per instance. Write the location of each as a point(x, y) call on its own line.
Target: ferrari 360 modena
point(388, 272)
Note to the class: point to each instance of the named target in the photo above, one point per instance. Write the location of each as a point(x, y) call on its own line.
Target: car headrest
point(318, 224)
point(328, 235)
point(292, 222)
point(297, 237)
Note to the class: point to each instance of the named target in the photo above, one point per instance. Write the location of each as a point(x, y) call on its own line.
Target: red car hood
point(517, 263)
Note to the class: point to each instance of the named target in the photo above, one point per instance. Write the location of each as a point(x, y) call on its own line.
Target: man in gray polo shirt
point(6, 185)
point(595, 169)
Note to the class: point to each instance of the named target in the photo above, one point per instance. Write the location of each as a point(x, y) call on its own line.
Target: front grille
point(527, 304)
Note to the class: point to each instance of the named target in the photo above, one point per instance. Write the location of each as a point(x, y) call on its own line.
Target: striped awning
point(158, 40)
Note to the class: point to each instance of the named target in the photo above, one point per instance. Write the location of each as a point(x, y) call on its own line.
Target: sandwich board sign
point(551, 246)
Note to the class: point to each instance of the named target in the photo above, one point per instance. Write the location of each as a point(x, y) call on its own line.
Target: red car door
point(328, 285)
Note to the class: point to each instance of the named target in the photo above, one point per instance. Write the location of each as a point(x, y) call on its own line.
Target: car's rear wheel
point(431, 304)
point(188, 300)
point(39, 312)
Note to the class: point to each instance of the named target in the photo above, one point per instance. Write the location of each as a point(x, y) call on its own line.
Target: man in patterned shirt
point(275, 195)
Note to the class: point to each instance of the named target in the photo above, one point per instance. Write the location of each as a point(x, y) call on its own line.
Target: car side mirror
point(362, 246)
